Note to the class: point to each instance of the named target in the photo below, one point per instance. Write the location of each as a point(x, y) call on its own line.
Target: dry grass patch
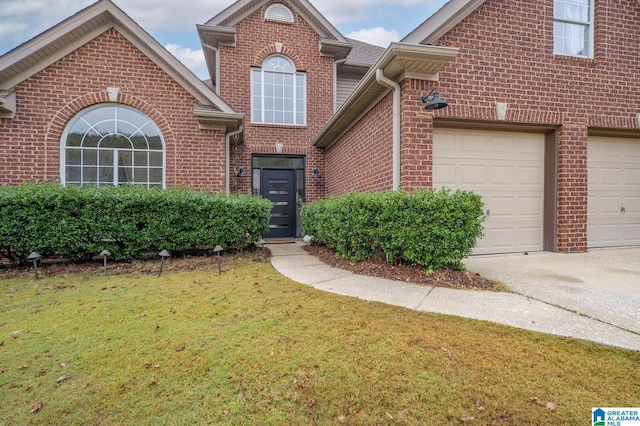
point(252, 347)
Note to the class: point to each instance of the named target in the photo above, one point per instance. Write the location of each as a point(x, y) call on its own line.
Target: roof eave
point(52, 45)
point(398, 61)
point(211, 119)
point(336, 49)
point(441, 22)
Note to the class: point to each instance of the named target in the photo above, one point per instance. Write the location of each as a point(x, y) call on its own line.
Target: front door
point(279, 187)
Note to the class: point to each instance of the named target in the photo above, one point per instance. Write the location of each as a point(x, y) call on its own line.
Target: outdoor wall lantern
point(35, 257)
point(104, 254)
point(436, 101)
point(163, 254)
point(240, 173)
point(316, 174)
point(217, 250)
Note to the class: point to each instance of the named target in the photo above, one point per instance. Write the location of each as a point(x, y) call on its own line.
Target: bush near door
point(433, 229)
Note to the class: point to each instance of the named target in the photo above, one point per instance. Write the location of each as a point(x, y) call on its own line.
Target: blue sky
point(173, 22)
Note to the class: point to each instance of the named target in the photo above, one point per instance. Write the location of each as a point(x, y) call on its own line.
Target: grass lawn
point(252, 347)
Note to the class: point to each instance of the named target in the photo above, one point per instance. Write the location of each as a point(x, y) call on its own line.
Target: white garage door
point(507, 170)
point(613, 217)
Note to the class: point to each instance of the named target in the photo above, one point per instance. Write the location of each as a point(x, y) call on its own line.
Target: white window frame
point(566, 22)
point(265, 109)
point(117, 153)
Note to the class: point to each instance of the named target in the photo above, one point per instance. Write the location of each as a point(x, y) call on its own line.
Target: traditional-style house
point(542, 112)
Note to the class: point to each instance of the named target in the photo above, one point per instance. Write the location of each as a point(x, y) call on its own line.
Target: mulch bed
point(379, 267)
point(177, 262)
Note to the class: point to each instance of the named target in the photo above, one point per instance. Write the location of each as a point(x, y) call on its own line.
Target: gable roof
point(55, 43)
point(398, 61)
point(220, 30)
point(438, 24)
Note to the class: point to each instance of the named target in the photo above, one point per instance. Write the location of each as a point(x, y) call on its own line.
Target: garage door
point(507, 170)
point(613, 217)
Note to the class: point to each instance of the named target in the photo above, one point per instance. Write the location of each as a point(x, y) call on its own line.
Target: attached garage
point(613, 216)
point(507, 170)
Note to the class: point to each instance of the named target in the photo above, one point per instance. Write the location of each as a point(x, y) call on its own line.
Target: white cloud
point(378, 36)
point(192, 59)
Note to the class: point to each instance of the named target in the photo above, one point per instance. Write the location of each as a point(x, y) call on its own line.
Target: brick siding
point(47, 101)
point(506, 55)
point(256, 39)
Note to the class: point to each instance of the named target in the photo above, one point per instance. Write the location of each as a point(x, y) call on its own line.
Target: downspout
point(395, 87)
point(227, 150)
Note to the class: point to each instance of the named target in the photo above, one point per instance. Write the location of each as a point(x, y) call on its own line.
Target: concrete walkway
point(538, 310)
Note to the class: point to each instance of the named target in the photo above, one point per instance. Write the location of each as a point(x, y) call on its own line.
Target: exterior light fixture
point(217, 250)
point(34, 257)
point(240, 173)
point(163, 254)
point(316, 174)
point(104, 254)
point(436, 101)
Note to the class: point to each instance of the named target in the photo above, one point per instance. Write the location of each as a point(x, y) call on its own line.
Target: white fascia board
point(354, 106)
point(438, 24)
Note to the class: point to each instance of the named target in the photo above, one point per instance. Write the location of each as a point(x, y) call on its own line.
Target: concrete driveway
point(601, 284)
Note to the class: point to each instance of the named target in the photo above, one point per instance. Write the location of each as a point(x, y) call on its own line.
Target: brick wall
point(30, 142)
point(508, 60)
point(362, 160)
point(256, 39)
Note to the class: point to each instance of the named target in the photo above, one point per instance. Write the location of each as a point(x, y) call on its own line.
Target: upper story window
point(573, 27)
point(112, 144)
point(278, 93)
point(278, 12)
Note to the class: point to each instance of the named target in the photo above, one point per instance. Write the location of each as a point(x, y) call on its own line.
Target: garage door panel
point(472, 174)
point(530, 176)
point(507, 170)
point(613, 214)
point(631, 177)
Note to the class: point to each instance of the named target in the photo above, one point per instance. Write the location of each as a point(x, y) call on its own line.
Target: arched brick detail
point(61, 119)
point(271, 50)
point(65, 114)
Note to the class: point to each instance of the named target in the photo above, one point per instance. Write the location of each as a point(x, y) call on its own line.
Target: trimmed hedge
point(427, 228)
point(78, 223)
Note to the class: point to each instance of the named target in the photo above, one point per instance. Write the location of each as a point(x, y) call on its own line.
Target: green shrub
point(427, 228)
point(78, 223)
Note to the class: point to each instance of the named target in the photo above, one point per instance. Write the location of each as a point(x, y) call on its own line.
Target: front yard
point(252, 347)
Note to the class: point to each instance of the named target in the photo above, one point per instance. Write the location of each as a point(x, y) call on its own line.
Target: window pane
point(571, 39)
point(140, 159)
point(125, 174)
point(155, 159)
point(73, 157)
point(89, 157)
point(125, 158)
point(111, 128)
point(155, 142)
point(72, 174)
point(91, 139)
point(155, 175)
point(105, 158)
point(140, 175)
point(106, 175)
point(90, 175)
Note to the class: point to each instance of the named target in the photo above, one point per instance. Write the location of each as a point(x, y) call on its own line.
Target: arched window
point(278, 93)
point(112, 144)
point(278, 12)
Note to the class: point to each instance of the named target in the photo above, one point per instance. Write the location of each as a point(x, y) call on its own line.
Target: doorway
point(280, 179)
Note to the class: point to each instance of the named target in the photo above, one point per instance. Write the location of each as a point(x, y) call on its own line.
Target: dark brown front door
point(279, 187)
